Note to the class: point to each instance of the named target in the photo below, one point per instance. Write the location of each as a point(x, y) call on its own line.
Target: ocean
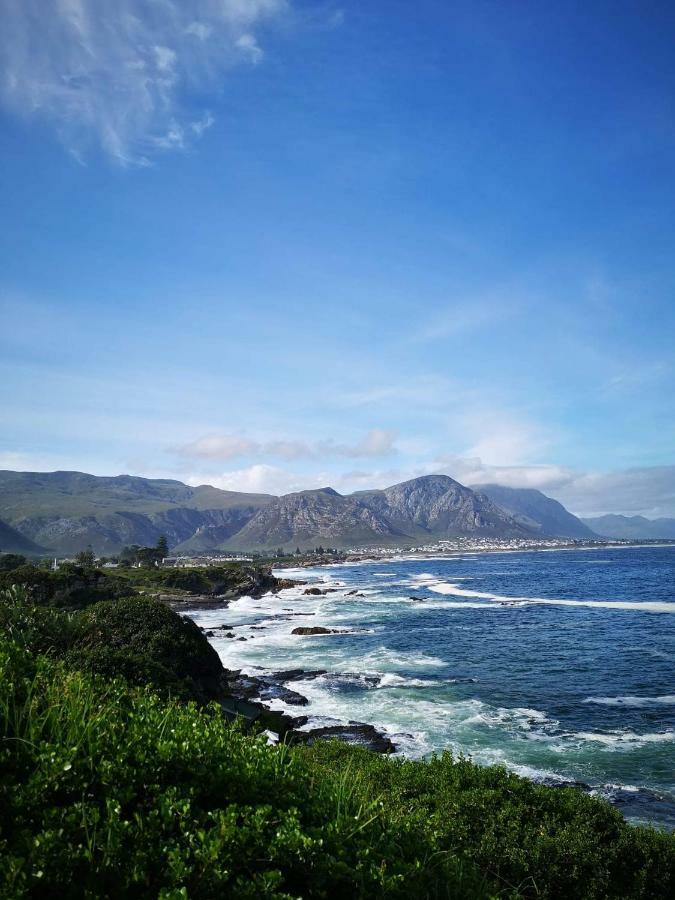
point(557, 664)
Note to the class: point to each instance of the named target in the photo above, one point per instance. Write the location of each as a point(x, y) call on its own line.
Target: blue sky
point(273, 245)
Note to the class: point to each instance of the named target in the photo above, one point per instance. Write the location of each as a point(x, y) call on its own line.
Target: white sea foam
point(451, 588)
point(665, 700)
point(625, 739)
point(390, 679)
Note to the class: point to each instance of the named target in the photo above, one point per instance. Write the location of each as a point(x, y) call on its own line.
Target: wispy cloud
point(461, 318)
point(114, 74)
point(222, 447)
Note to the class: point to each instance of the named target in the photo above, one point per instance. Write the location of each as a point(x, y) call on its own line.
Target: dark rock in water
point(351, 682)
point(278, 692)
point(358, 733)
point(416, 599)
point(262, 687)
point(317, 629)
point(241, 638)
point(257, 627)
point(229, 634)
point(297, 674)
point(314, 591)
point(351, 594)
point(283, 583)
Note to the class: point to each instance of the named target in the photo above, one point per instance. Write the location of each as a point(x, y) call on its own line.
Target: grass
point(110, 791)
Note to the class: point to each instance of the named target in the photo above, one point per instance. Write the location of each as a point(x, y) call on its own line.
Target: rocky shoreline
point(249, 696)
point(258, 690)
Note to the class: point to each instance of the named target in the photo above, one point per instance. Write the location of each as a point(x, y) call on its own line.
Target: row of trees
point(131, 555)
point(146, 556)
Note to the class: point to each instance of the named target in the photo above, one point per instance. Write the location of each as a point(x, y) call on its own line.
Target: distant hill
point(12, 541)
point(69, 510)
point(632, 527)
point(537, 511)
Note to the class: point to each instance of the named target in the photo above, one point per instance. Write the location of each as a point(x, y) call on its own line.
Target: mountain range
point(632, 528)
point(67, 511)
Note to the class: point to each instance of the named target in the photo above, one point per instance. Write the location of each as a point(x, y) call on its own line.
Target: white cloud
point(256, 479)
point(648, 491)
point(250, 48)
point(219, 447)
point(501, 437)
point(113, 74)
point(376, 443)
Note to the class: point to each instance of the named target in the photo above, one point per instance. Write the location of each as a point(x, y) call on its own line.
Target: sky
point(280, 244)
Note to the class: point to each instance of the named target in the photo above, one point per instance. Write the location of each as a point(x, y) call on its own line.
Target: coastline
point(276, 687)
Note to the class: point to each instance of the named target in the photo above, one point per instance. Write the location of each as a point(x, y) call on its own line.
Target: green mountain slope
point(69, 510)
point(12, 541)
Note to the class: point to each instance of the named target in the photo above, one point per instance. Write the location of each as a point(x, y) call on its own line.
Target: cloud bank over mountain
point(647, 491)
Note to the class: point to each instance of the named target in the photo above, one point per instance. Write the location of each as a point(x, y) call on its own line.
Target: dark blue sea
point(557, 664)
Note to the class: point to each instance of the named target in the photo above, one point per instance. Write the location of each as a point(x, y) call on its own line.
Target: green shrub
point(10, 561)
point(70, 587)
point(135, 638)
point(110, 792)
point(536, 840)
point(142, 629)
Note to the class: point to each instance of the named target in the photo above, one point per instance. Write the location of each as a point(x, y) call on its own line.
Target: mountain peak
point(536, 511)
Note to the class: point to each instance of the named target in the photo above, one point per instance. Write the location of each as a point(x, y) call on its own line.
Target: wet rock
point(317, 629)
point(313, 591)
point(241, 638)
point(297, 674)
point(283, 583)
point(351, 594)
point(358, 733)
point(262, 687)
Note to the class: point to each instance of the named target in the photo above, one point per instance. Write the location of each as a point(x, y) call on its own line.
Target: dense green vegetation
point(118, 778)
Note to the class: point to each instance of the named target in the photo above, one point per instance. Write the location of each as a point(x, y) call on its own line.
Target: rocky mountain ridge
point(66, 511)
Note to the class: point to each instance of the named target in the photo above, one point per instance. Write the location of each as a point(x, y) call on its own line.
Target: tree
point(146, 556)
point(86, 557)
point(162, 547)
point(9, 561)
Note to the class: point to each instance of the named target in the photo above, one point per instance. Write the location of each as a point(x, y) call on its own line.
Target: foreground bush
point(148, 643)
point(108, 789)
point(110, 792)
point(136, 638)
point(535, 840)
